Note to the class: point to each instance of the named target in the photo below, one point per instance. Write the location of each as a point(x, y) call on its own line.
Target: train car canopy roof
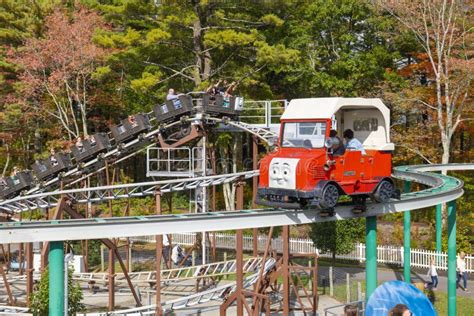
point(355, 110)
point(325, 108)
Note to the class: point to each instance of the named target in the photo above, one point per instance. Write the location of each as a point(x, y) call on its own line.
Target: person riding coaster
point(312, 169)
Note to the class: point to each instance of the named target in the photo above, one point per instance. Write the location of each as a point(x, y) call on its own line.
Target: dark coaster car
point(49, 168)
point(172, 109)
point(218, 105)
point(99, 143)
point(14, 185)
point(126, 130)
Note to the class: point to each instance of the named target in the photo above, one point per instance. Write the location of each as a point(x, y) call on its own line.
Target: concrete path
point(385, 274)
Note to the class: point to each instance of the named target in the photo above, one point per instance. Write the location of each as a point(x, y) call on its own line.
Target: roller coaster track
point(440, 189)
point(262, 133)
point(114, 192)
point(217, 293)
point(215, 269)
point(10, 310)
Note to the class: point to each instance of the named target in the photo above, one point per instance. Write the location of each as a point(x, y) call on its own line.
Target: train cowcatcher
point(305, 172)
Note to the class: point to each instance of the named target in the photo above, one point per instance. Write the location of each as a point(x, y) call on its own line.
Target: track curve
point(441, 189)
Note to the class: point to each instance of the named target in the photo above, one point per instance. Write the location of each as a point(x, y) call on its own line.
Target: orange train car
point(311, 166)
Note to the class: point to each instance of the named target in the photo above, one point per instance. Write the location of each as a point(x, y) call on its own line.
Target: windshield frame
point(283, 126)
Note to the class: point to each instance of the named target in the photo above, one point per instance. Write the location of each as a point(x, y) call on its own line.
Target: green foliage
point(343, 48)
point(337, 237)
point(40, 298)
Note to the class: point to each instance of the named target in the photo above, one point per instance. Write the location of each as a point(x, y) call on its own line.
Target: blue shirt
point(355, 144)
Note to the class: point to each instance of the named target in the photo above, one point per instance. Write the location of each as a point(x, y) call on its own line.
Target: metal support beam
point(254, 190)
point(240, 250)
point(159, 253)
point(286, 270)
point(56, 278)
point(112, 246)
point(20, 258)
point(257, 289)
point(111, 267)
point(439, 227)
point(452, 258)
point(11, 300)
point(240, 273)
point(406, 238)
point(371, 255)
point(29, 272)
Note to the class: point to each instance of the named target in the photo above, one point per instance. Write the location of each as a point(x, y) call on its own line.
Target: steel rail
point(119, 191)
point(174, 275)
point(441, 189)
point(264, 134)
point(218, 293)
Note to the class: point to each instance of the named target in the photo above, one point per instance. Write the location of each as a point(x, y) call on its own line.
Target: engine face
point(282, 173)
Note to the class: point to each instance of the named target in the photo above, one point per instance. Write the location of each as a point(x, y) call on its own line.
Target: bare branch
point(416, 151)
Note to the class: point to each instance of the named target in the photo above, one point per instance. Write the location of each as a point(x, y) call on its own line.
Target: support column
point(254, 190)
point(111, 270)
point(371, 255)
point(406, 239)
point(286, 270)
point(11, 299)
point(452, 258)
point(29, 272)
point(439, 227)
point(20, 258)
point(240, 249)
point(56, 278)
point(159, 252)
point(240, 273)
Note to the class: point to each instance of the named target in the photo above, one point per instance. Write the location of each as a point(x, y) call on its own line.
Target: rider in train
point(309, 167)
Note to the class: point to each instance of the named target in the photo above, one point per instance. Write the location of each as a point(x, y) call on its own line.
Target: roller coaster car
point(171, 110)
point(99, 143)
point(49, 168)
point(14, 185)
point(221, 106)
point(131, 128)
point(304, 172)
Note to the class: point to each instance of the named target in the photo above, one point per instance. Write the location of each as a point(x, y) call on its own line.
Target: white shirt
point(170, 97)
point(355, 144)
point(432, 270)
point(461, 265)
point(176, 254)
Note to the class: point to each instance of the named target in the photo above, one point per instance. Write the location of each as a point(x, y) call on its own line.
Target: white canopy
point(359, 114)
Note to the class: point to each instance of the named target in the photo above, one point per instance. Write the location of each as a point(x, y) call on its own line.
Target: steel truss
point(218, 293)
point(114, 192)
point(263, 133)
point(210, 270)
point(442, 189)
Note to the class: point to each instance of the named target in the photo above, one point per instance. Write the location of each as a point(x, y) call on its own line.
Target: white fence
point(419, 258)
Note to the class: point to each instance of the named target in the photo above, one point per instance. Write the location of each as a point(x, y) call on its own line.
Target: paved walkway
point(385, 274)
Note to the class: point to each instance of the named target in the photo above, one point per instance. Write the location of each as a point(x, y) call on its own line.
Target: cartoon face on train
point(311, 166)
point(282, 173)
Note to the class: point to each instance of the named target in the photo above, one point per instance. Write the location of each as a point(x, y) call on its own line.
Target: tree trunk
point(202, 57)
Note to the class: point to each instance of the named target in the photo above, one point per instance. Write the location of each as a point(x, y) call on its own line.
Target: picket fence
point(393, 255)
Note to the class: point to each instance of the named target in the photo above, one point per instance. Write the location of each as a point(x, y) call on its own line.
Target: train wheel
point(329, 197)
point(384, 192)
